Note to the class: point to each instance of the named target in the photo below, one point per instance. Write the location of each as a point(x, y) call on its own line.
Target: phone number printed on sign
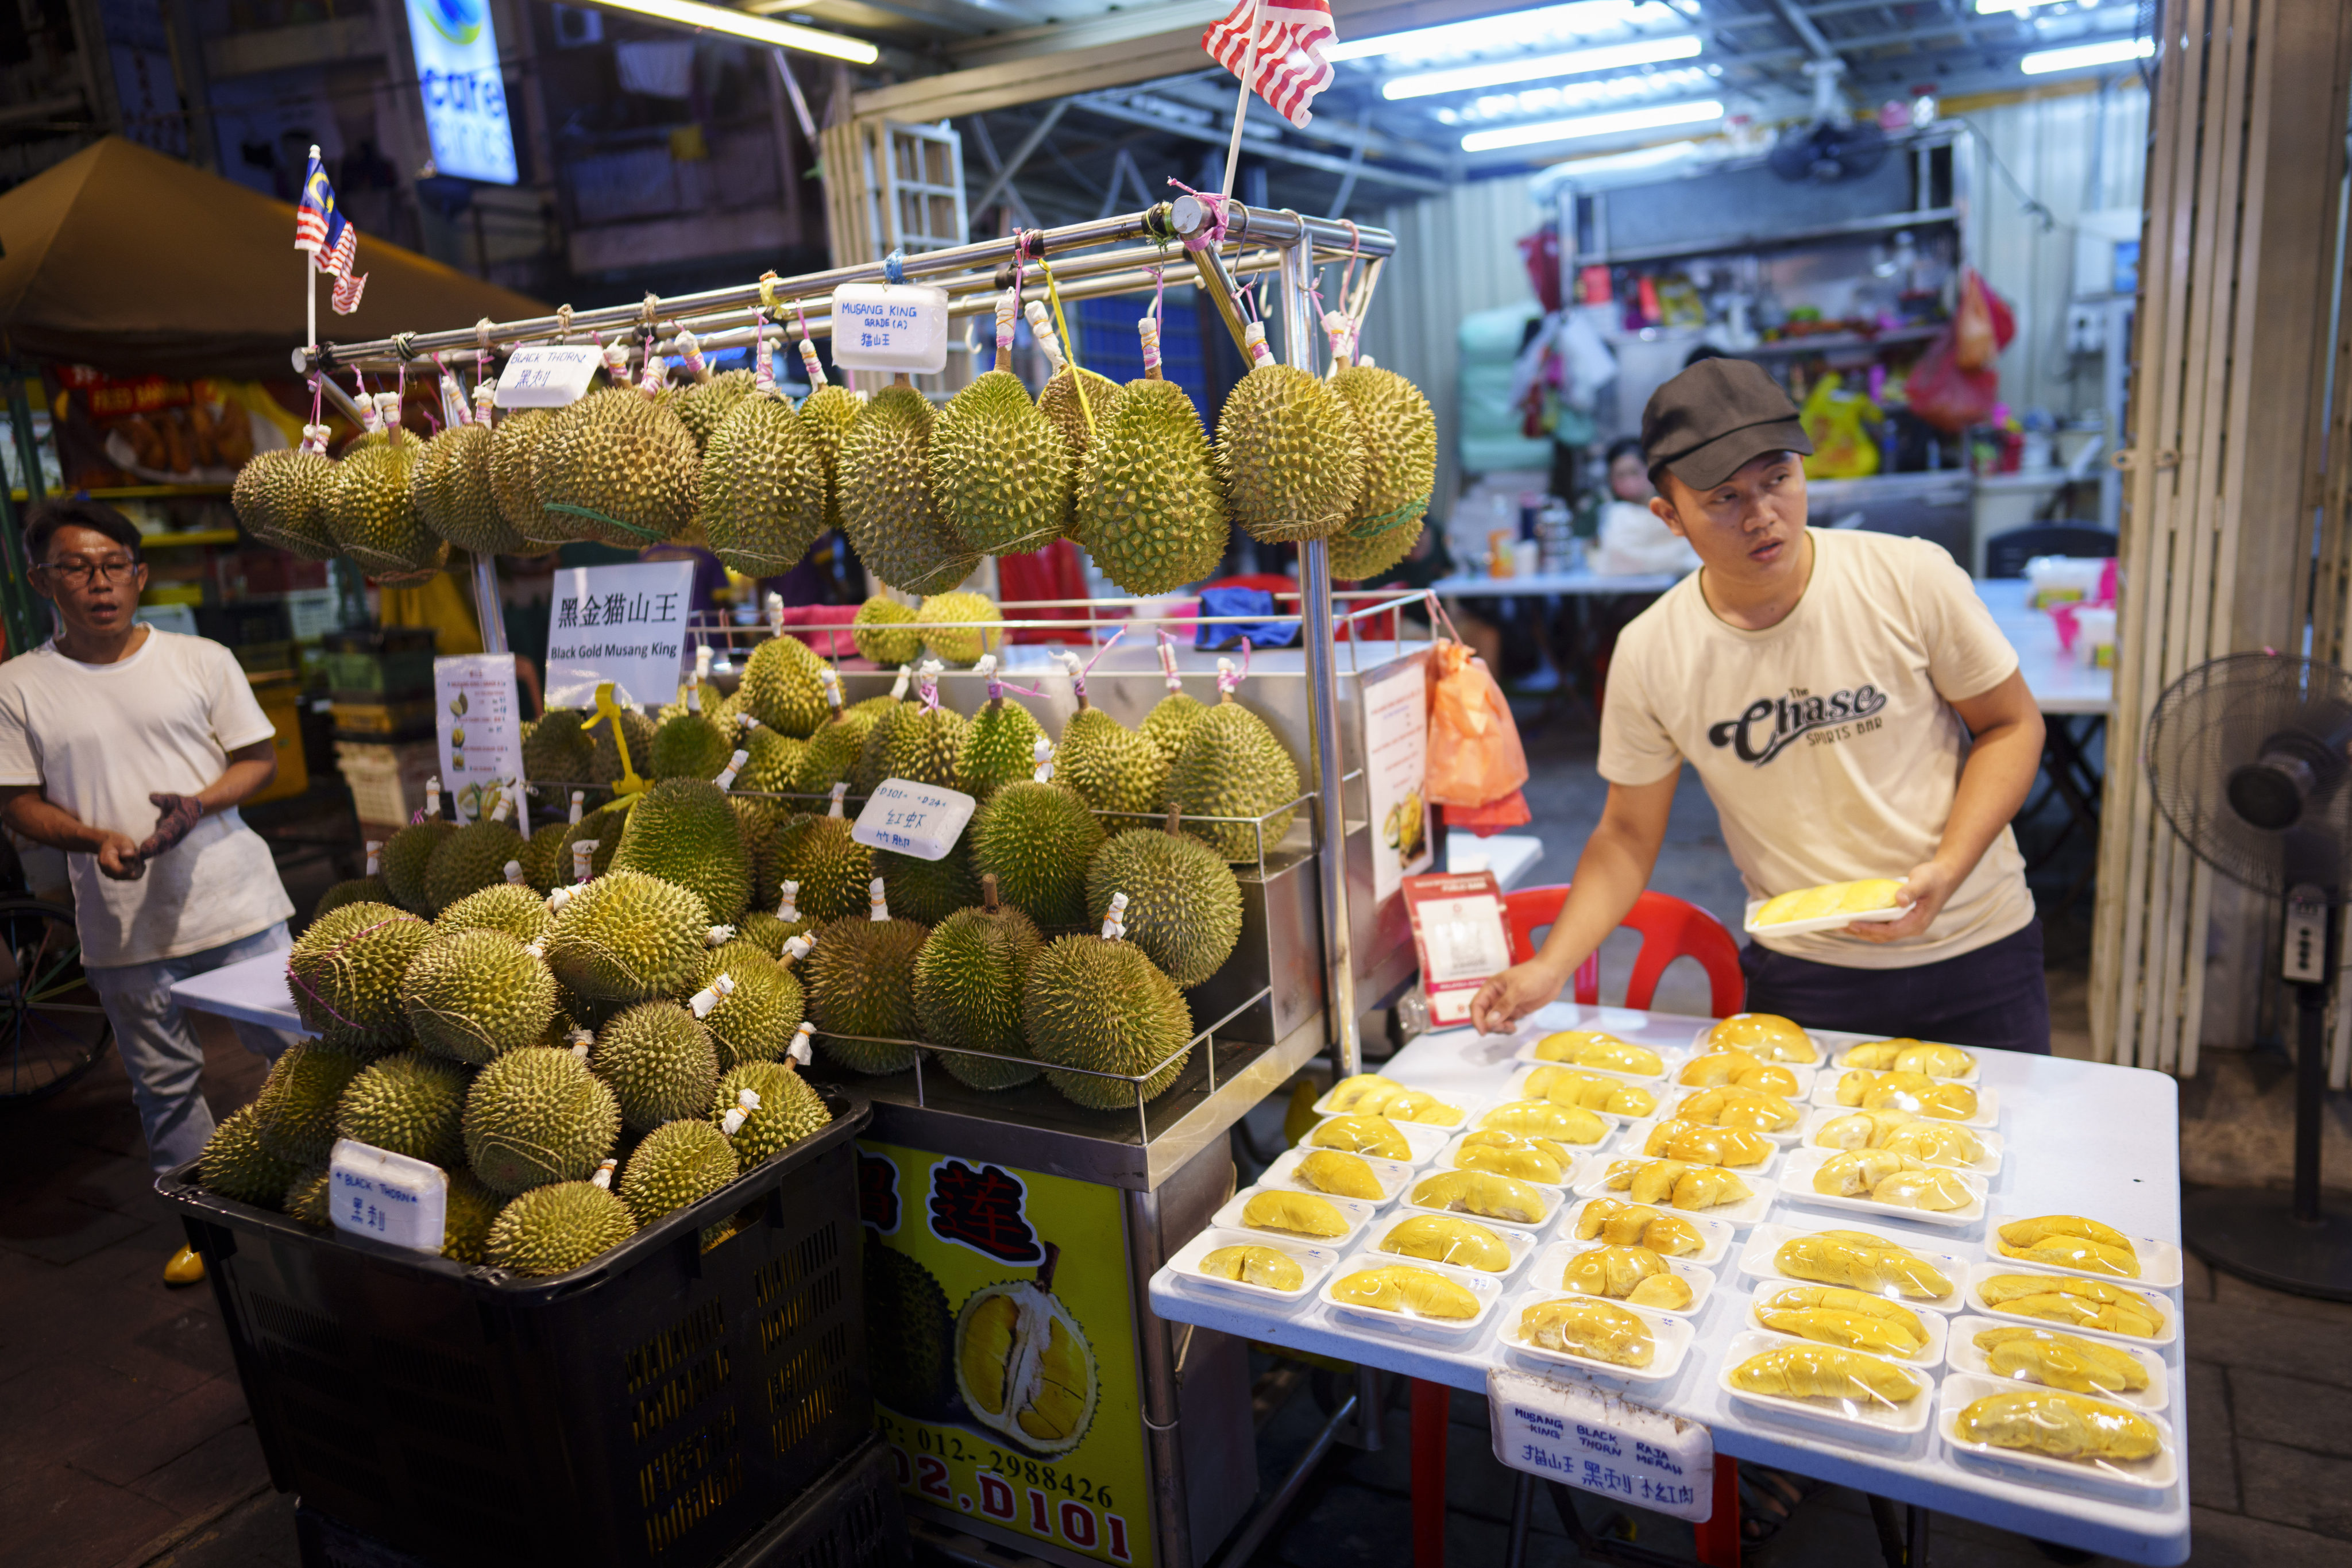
point(1053, 1501)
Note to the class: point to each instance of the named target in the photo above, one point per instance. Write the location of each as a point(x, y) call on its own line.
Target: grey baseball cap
point(1716, 417)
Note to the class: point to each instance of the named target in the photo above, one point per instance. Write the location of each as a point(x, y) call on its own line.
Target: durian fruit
point(557, 1228)
point(1363, 560)
point(408, 854)
point(371, 889)
point(345, 975)
point(472, 994)
point(961, 627)
point(788, 1111)
point(834, 750)
point(1149, 508)
point(277, 497)
point(466, 861)
point(1101, 1005)
point(761, 823)
point(781, 686)
point(545, 861)
point(234, 1165)
point(1000, 746)
point(1108, 765)
point(1290, 456)
point(685, 832)
point(451, 491)
point(412, 1104)
point(704, 405)
point(629, 728)
point(1183, 906)
point(620, 466)
point(1059, 402)
point(536, 1116)
point(861, 981)
point(296, 1107)
point(680, 1162)
point(689, 744)
point(626, 938)
point(1398, 440)
point(1299, 1214)
point(970, 976)
point(828, 414)
point(835, 872)
point(1262, 1266)
point(1233, 766)
point(514, 482)
point(305, 1198)
point(471, 1209)
point(1400, 1288)
point(876, 631)
point(1037, 839)
point(368, 512)
point(909, 1331)
point(1341, 1175)
point(887, 509)
point(602, 827)
point(927, 891)
point(773, 760)
point(555, 751)
point(1170, 724)
point(1023, 1366)
point(755, 1023)
point(923, 747)
point(1000, 468)
point(871, 768)
point(763, 488)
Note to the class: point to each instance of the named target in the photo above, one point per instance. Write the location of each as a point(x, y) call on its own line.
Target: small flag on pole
point(336, 261)
point(1289, 66)
point(317, 209)
point(332, 241)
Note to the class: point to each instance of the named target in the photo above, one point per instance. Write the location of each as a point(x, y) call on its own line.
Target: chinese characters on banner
point(1396, 762)
point(621, 623)
point(479, 722)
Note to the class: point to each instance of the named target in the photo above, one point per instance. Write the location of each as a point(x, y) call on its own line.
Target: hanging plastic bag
point(1836, 422)
point(1475, 755)
point(1946, 396)
point(1983, 325)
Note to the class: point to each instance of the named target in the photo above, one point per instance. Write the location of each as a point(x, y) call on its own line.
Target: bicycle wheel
point(53, 1027)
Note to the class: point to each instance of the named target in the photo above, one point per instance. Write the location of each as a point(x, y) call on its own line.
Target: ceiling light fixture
point(1576, 62)
point(1613, 162)
point(2107, 52)
point(1593, 125)
point(742, 25)
point(1517, 29)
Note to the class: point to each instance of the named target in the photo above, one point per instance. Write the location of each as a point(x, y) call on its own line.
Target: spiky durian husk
point(703, 407)
point(451, 490)
point(783, 686)
point(1103, 1005)
point(887, 508)
point(515, 441)
point(828, 413)
point(368, 511)
point(1059, 402)
point(962, 626)
point(875, 633)
point(1289, 454)
point(1150, 508)
point(1000, 468)
point(1000, 747)
point(1233, 766)
point(1110, 766)
point(1399, 442)
point(624, 466)
point(763, 488)
point(277, 497)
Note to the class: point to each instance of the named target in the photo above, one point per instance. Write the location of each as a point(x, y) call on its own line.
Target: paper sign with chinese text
point(479, 722)
point(1396, 762)
point(621, 623)
point(548, 375)
point(890, 326)
point(909, 819)
point(390, 1197)
point(978, 1275)
point(1457, 927)
point(1602, 1442)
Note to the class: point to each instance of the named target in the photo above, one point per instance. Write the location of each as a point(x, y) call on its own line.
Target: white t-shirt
point(98, 738)
point(1828, 743)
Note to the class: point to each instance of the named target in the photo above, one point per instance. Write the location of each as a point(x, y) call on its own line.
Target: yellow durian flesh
point(1593, 1091)
point(1413, 1105)
point(1634, 1274)
point(1439, 1239)
point(1810, 1371)
point(1728, 1106)
point(1934, 1143)
point(1301, 1214)
point(1481, 1193)
point(2061, 1425)
point(1637, 1224)
point(1707, 1144)
point(1255, 1266)
point(1594, 1329)
point(2077, 1303)
point(2062, 1361)
point(1591, 1049)
point(1375, 1135)
point(1767, 1036)
point(1544, 1119)
point(1366, 1091)
point(1677, 1182)
point(2112, 1247)
point(1864, 1262)
point(1343, 1174)
point(1736, 1069)
point(1831, 899)
point(1523, 1161)
point(1853, 1173)
point(1937, 1188)
point(1399, 1287)
point(1833, 1315)
point(1861, 1129)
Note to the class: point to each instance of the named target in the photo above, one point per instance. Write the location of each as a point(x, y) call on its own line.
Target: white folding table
point(252, 991)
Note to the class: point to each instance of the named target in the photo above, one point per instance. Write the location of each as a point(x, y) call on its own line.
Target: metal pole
point(18, 601)
point(1323, 707)
point(486, 608)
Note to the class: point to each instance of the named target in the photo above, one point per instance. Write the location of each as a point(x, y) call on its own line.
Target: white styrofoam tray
point(1423, 1142)
point(1716, 1233)
point(1393, 1176)
point(1762, 1191)
point(1521, 1243)
point(1316, 1261)
point(1544, 1278)
point(2159, 1261)
point(1821, 1116)
point(2157, 1473)
point(1668, 1057)
point(1355, 1211)
point(1965, 1356)
point(1987, 1112)
point(1758, 1261)
point(1700, 1047)
point(1485, 1287)
point(1862, 1419)
point(1797, 1186)
point(1838, 1064)
point(1627, 1145)
point(1578, 1156)
point(2164, 1307)
point(1517, 1089)
point(1928, 1358)
point(1670, 1334)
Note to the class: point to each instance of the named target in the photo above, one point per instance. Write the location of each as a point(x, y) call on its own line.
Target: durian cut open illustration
point(1023, 1364)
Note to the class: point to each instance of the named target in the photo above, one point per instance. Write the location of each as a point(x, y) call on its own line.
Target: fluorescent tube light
point(743, 25)
point(1575, 62)
point(1593, 125)
point(2107, 52)
point(1612, 163)
point(1516, 29)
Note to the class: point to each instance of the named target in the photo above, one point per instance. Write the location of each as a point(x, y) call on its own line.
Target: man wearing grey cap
point(1852, 712)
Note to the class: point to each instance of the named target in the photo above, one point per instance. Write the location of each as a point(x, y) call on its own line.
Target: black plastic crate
point(654, 1408)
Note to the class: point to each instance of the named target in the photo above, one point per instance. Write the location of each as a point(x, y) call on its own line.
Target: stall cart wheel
point(52, 1026)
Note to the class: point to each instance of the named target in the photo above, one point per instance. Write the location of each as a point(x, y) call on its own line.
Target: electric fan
point(1834, 146)
point(2251, 760)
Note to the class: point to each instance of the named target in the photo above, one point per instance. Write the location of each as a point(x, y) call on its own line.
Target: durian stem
point(902, 379)
point(1175, 811)
point(988, 892)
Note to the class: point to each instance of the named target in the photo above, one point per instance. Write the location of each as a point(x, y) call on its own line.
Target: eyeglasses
point(114, 570)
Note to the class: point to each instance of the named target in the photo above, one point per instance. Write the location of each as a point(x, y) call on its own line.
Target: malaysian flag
point(1289, 66)
point(342, 249)
point(317, 210)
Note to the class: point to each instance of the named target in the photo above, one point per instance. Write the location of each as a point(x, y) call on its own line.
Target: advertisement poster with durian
point(998, 1328)
point(481, 723)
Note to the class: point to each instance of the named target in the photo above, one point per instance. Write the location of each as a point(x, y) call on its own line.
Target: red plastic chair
point(1671, 928)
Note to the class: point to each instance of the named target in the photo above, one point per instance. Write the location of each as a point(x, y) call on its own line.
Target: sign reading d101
point(890, 326)
point(621, 623)
point(909, 819)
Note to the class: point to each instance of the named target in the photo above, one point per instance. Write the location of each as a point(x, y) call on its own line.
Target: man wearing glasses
point(130, 748)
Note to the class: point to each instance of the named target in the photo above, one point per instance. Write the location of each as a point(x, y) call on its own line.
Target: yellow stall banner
point(1000, 1335)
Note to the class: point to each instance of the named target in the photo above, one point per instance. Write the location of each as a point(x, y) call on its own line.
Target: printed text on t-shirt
point(1770, 725)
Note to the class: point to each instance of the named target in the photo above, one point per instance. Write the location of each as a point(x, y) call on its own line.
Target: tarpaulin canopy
point(123, 258)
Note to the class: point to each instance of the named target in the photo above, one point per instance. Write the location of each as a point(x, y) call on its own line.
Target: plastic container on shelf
point(657, 1406)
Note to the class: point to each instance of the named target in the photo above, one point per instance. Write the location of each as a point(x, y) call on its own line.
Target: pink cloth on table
point(810, 623)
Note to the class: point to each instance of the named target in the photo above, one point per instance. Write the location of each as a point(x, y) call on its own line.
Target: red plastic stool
point(1671, 928)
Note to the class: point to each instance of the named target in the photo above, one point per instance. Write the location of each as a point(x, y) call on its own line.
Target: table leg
point(1431, 1404)
point(1718, 1540)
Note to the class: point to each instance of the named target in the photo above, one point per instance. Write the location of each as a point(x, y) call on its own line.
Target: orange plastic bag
point(1983, 325)
point(1475, 755)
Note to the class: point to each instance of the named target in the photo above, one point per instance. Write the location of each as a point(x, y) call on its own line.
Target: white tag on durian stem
point(603, 1176)
point(799, 1049)
point(557, 899)
point(735, 761)
point(709, 996)
point(718, 936)
point(371, 417)
point(584, 853)
point(1366, 361)
point(747, 1100)
point(898, 687)
point(453, 400)
point(1168, 666)
point(830, 678)
point(1147, 329)
point(485, 396)
point(433, 795)
point(690, 349)
point(374, 856)
point(655, 373)
point(797, 948)
point(1041, 323)
point(986, 667)
point(616, 360)
point(1113, 927)
point(1041, 752)
point(314, 438)
point(499, 812)
point(703, 654)
point(513, 872)
point(839, 790)
point(776, 614)
point(813, 365)
point(579, 806)
point(387, 407)
point(1254, 342)
point(788, 906)
point(877, 904)
point(537, 949)
point(1008, 311)
point(763, 366)
point(1336, 328)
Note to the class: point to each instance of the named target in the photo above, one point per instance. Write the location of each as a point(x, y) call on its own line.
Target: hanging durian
point(452, 488)
point(887, 505)
point(1150, 508)
point(703, 405)
point(277, 495)
point(877, 634)
point(368, 513)
point(1289, 454)
point(827, 413)
point(958, 626)
point(620, 465)
point(1000, 468)
point(514, 485)
point(762, 477)
point(1399, 442)
point(1077, 416)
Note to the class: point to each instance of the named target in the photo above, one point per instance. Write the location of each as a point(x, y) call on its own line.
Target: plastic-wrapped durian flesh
point(888, 507)
point(1909, 1056)
point(2062, 1361)
point(1340, 1174)
point(1824, 1371)
point(1736, 1069)
point(1677, 1138)
point(1510, 1155)
point(1441, 1238)
point(1546, 1119)
point(2074, 1303)
point(2063, 1425)
point(1591, 1048)
point(1400, 1288)
point(1298, 1214)
point(1482, 1192)
point(1751, 1109)
point(2070, 1241)
point(1635, 1274)
point(1596, 1330)
point(1864, 1261)
point(1638, 1224)
point(1262, 1266)
point(1677, 1182)
point(1592, 1091)
point(1833, 1315)
point(1375, 1135)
